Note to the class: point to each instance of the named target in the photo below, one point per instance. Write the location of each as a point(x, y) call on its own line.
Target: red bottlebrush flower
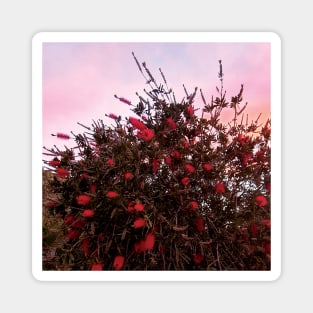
point(139, 223)
point(128, 176)
point(185, 181)
point(93, 188)
point(149, 241)
point(176, 155)
point(85, 246)
point(146, 134)
point(156, 228)
point(171, 124)
point(168, 160)
point(198, 258)
point(267, 247)
point(260, 155)
point(62, 172)
point(254, 229)
point(112, 194)
point(83, 200)
point(139, 247)
point(189, 168)
point(69, 220)
point(63, 136)
point(219, 188)
point(261, 200)
point(54, 163)
point(266, 223)
point(240, 137)
point(97, 267)
point(130, 207)
point(101, 237)
point(112, 116)
point(245, 158)
point(200, 224)
point(137, 123)
point(155, 165)
point(88, 213)
point(243, 139)
point(190, 111)
point(118, 262)
point(124, 100)
point(73, 234)
point(110, 162)
point(208, 167)
point(139, 207)
point(193, 205)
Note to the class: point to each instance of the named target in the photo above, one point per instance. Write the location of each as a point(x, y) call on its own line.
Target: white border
point(37, 42)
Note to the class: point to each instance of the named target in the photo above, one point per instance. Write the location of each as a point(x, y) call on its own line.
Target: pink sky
point(80, 79)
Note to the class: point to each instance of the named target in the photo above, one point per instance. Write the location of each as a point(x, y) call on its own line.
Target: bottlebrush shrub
point(165, 189)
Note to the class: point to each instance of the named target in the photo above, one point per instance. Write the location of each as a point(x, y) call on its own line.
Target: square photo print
point(156, 156)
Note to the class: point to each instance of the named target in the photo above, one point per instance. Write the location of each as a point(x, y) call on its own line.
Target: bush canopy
point(168, 188)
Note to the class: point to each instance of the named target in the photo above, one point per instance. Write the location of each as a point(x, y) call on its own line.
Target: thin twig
point(218, 258)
